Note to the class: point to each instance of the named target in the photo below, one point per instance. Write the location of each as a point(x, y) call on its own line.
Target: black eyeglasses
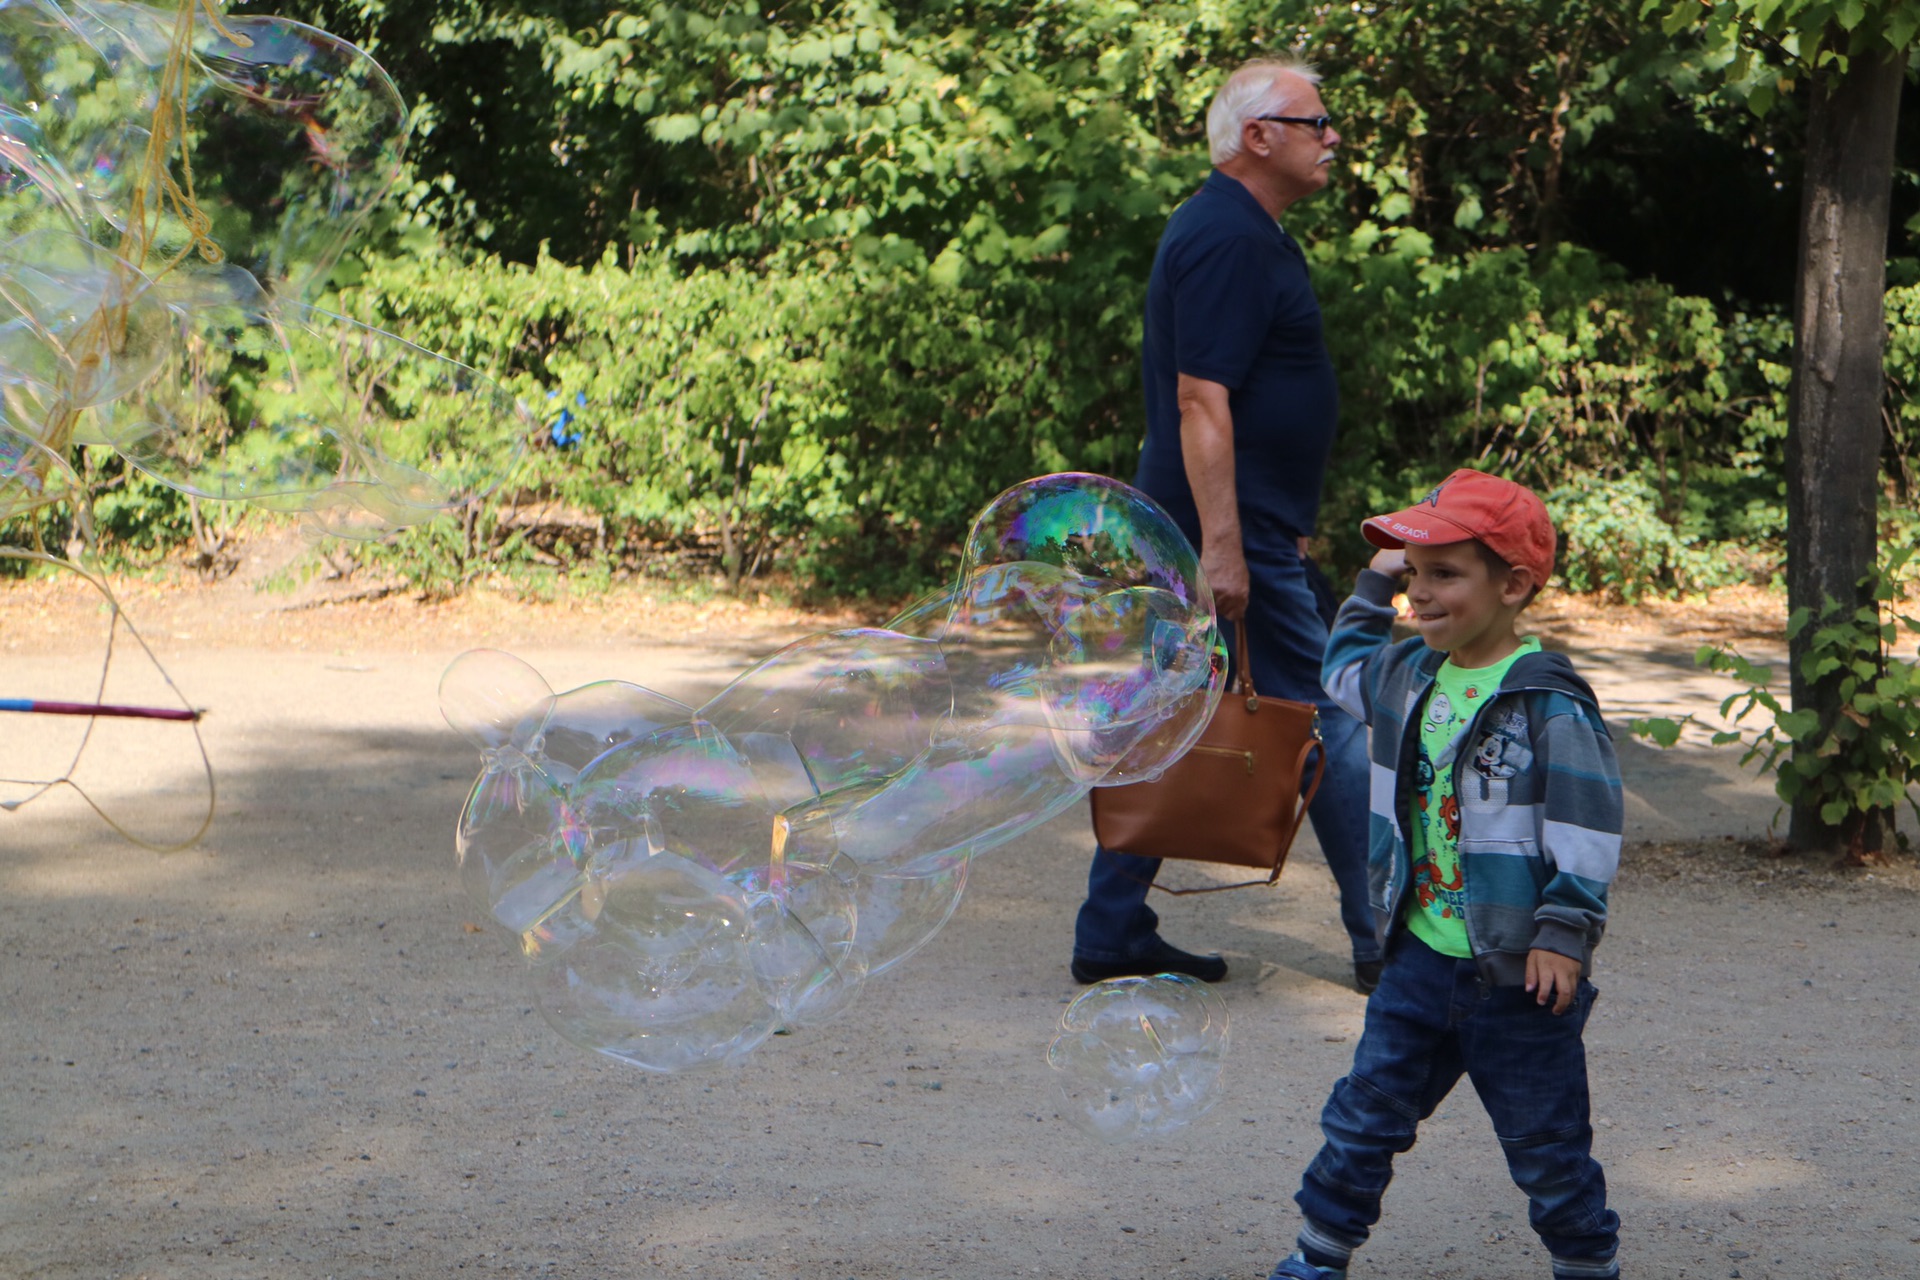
point(1317, 123)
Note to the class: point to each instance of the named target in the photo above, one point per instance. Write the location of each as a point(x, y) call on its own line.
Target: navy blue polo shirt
point(1229, 301)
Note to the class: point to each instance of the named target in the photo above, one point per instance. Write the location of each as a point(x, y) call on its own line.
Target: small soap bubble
point(1140, 1057)
point(520, 843)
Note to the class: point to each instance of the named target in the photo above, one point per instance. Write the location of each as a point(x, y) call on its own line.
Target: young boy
point(1491, 852)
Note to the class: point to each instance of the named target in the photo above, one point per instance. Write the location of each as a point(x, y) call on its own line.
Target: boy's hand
point(1392, 563)
point(1552, 976)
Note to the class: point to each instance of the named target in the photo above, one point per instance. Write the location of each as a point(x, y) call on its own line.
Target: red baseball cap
point(1507, 518)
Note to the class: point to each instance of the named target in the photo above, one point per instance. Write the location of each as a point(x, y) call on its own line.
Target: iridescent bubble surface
point(813, 823)
point(1140, 1057)
point(175, 187)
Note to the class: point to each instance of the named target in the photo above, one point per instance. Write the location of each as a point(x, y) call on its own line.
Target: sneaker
point(1296, 1267)
point(1366, 975)
point(1161, 957)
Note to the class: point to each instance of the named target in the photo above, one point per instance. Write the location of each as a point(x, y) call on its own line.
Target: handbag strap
point(1243, 661)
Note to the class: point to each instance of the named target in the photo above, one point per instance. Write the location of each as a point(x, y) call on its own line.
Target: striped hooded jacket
point(1538, 787)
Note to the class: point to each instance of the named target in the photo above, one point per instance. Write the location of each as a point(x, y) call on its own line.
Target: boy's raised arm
point(1361, 630)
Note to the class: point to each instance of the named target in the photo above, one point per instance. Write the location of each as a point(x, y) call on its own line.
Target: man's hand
point(1225, 565)
point(1552, 976)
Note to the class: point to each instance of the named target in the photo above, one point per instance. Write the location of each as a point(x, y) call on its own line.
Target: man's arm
point(1206, 446)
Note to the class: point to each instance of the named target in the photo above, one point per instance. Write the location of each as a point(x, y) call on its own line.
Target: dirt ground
point(290, 1051)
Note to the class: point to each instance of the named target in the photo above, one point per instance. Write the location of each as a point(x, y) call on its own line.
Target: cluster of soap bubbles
point(175, 187)
point(1140, 1057)
point(684, 882)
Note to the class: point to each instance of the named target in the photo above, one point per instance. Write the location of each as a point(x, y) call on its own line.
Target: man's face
point(1300, 158)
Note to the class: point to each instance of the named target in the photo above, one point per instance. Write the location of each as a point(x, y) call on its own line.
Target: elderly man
point(1241, 411)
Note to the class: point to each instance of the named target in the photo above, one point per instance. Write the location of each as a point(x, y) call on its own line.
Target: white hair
point(1257, 88)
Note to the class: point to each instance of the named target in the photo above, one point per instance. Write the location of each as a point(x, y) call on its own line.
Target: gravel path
point(289, 1052)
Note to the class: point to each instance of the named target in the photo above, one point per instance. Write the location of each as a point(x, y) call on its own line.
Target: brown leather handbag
point(1236, 797)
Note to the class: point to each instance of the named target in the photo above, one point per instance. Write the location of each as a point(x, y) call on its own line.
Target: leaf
point(1664, 732)
point(677, 128)
point(1815, 666)
point(1799, 725)
point(1902, 23)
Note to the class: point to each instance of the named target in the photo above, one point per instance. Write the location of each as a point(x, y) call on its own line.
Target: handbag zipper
point(1223, 751)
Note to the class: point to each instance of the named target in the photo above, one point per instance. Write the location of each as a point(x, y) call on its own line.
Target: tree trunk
point(1833, 444)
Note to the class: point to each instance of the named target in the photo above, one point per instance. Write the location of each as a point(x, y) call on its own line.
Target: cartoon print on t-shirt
point(1431, 887)
point(1502, 752)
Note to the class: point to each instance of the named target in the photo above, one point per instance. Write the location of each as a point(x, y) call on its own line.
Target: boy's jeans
point(1431, 1020)
point(1288, 640)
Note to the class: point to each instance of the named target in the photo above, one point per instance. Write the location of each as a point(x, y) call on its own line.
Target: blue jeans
point(1288, 640)
point(1431, 1020)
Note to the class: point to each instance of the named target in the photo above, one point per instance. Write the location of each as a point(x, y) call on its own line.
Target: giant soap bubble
point(1140, 1057)
point(683, 880)
point(175, 187)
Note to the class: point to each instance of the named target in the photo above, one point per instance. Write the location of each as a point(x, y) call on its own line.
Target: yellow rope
point(105, 332)
point(169, 128)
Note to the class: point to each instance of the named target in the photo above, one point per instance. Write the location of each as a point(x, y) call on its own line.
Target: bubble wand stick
point(36, 706)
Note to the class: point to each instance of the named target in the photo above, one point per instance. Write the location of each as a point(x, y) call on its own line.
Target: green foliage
point(815, 280)
point(138, 518)
point(1765, 45)
point(1903, 396)
point(1867, 760)
point(1618, 545)
point(850, 419)
point(1647, 414)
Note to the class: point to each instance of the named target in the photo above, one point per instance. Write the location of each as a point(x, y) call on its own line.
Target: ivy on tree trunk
point(1833, 444)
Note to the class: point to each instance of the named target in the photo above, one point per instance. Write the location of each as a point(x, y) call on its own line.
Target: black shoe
point(1366, 975)
point(1161, 957)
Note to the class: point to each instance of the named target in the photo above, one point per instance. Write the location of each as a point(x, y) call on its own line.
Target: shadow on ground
point(293, 1052)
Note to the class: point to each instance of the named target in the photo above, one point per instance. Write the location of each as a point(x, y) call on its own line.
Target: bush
point(1617, 544)
point(844, 419)
point(847, 418)
point(1645, 411)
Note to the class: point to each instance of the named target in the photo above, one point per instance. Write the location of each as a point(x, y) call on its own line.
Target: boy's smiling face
point(1462, 604)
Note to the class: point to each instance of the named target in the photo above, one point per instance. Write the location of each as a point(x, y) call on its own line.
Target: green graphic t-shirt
point(1436, 909)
